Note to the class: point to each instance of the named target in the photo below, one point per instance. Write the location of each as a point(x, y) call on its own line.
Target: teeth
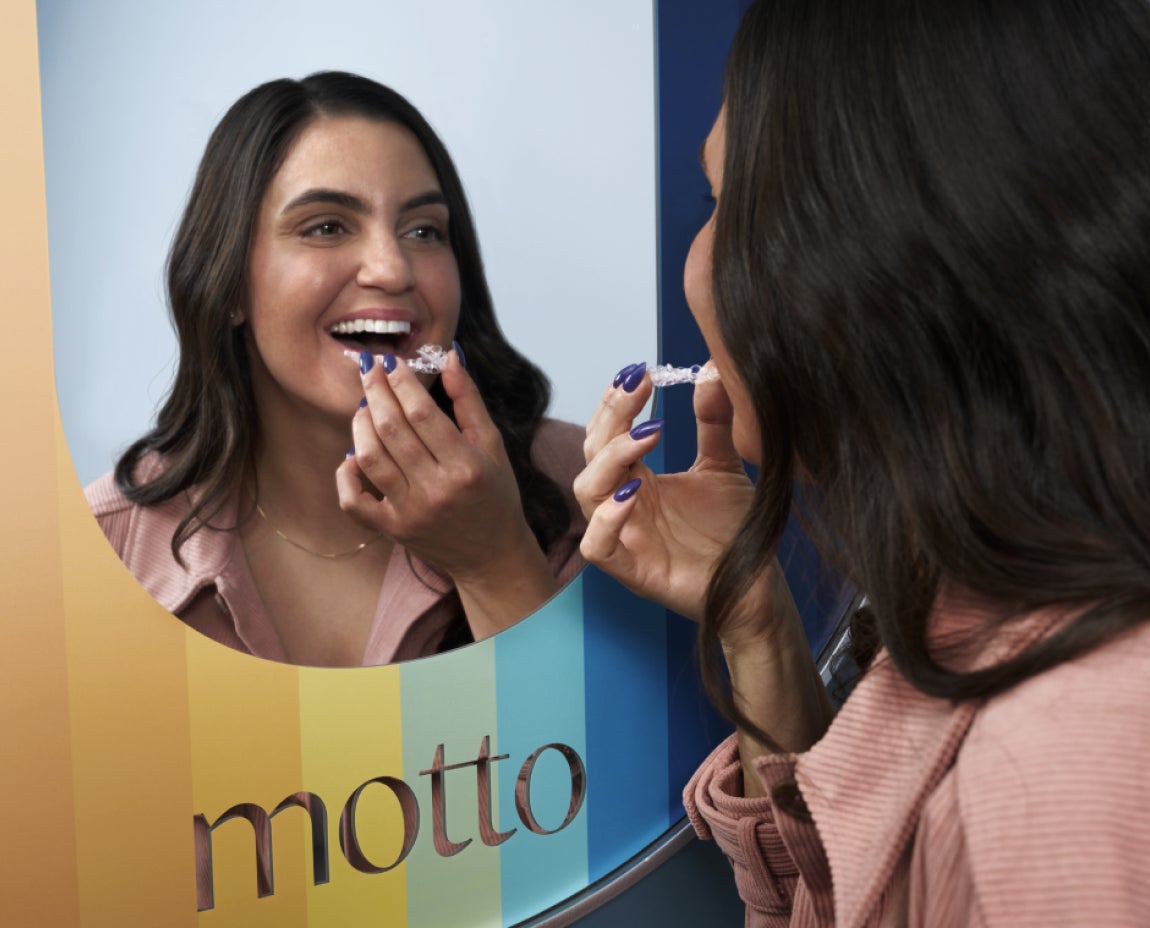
point(376, 326)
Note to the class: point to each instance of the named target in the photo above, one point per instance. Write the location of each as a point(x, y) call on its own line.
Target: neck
point(294, 481)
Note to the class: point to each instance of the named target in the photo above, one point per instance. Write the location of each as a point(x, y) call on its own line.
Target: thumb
point(714, 419)
point(471, 413)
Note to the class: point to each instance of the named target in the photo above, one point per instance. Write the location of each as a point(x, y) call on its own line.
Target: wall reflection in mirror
point(279, 482)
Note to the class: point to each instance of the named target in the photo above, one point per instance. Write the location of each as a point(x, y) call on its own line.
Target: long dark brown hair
point(932, 270)
point(207, 428)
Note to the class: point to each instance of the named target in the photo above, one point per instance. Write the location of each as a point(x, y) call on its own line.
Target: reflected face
point(697, 284)
point(350, 250)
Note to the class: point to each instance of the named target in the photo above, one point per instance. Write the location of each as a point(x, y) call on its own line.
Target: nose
point(385, 265)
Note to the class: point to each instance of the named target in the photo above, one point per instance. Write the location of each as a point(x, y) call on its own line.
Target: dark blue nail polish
point(634, 378)
point(644, 429)
point(363, 403)
point(351, 452)
point(459, 354)
point(366, 362)
point(629, 489)
point(623, 373)
point(389, 362)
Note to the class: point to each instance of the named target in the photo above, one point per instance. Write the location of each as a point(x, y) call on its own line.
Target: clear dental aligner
point(664, 375)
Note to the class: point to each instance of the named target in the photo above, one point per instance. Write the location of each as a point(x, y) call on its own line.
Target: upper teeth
point(378, 326)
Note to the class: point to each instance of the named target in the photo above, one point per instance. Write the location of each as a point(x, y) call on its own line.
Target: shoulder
point(116, 514)
point(1052, 780)
point(113, 511)
point(142, 537)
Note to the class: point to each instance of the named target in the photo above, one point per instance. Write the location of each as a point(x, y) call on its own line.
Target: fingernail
point(634, 377)
point(350, 453)
point(459, 354)
point(389, 362)
point(623, 373)
point(629, 489)
point(366, 361)
point(643, 429)
point(363, 403)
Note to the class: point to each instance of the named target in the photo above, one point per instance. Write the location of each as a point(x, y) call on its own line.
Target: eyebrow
point(356, 204)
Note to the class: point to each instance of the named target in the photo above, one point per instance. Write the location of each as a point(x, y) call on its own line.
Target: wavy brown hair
point(207, 427)
point(932, 270)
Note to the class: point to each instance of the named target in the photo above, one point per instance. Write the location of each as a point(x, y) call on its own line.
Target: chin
point(748, 446)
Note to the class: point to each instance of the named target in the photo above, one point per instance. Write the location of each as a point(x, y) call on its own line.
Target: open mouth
point(379, 336)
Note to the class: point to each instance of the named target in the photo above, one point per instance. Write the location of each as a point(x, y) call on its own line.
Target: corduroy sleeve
point(745, 830)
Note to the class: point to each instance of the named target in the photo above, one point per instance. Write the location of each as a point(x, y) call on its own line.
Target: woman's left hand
point(446, 491)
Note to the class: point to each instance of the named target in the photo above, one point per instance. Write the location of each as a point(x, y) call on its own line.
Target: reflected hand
point(445, 491)
point(663, 541)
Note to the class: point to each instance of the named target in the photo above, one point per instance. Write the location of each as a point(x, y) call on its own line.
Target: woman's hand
point(446, 492)
point(662, 540)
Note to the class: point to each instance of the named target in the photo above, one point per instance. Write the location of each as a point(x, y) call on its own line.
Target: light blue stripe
point(540, 689)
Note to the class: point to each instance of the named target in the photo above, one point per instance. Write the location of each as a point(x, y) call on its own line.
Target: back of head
point(932, 267)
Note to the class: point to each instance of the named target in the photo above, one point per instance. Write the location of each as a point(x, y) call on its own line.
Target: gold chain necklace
point(338, 555)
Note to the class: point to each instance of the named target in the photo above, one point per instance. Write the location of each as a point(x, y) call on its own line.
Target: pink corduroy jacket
point(216, 594)
point(1028, 809)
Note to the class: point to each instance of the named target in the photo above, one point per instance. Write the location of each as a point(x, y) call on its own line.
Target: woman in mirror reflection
point(326, 238)
point(926, 287)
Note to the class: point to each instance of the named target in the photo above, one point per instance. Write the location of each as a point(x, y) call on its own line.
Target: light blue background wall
point(547, 108)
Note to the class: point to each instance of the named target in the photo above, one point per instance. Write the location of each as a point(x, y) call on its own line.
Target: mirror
point(548, 114)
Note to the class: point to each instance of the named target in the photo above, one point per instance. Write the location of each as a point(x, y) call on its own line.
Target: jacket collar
point(866, 782)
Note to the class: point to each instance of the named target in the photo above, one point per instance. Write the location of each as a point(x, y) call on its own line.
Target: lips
point(375, 335)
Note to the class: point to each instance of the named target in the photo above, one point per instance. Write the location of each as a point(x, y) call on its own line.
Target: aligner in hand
point(665, 375)
point(432, 359)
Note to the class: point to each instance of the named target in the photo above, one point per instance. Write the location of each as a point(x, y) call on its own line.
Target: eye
point(328, 228)
point(426, 232)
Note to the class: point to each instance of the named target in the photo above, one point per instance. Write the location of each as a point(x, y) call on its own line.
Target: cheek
point(442, 292)
point(746, 438)
point(745, 430)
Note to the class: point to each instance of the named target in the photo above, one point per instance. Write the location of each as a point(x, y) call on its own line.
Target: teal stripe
point(539, 673)
point(450, 700)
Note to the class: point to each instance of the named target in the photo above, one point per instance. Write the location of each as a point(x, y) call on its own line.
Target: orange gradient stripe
point(38, 876)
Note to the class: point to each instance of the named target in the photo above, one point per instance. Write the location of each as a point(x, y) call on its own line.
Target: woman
point(327, 220)
point(926, 289)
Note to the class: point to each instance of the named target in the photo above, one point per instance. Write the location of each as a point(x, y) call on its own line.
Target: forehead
point(357, 154)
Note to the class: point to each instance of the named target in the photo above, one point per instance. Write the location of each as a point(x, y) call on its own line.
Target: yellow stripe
point(351, 734)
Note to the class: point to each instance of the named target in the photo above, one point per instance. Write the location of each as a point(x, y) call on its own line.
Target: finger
point(471, 416)
point(714, 421)
point(602, 544)
point(617, 410)
point(398, 405)
point(372, 458)
point(617, 462)
point(358, 500)
point(438, 435)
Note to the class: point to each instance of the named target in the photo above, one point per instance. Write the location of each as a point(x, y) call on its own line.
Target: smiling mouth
point(379, 336)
